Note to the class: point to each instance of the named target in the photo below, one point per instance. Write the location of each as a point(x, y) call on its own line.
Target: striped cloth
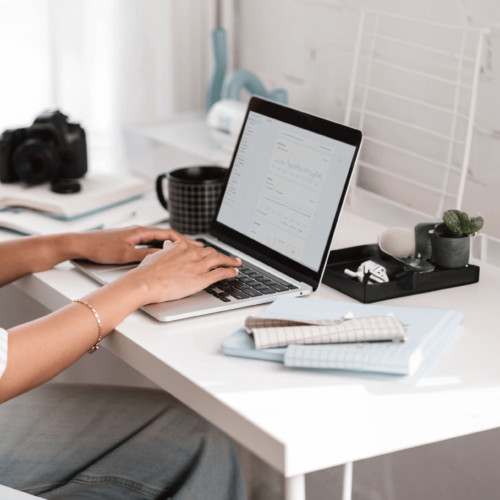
point(3, 351)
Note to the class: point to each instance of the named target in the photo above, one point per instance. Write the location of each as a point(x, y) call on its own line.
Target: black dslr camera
point(52, 150)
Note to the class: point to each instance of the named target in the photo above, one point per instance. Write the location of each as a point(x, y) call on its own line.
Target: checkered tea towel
point(270, 333)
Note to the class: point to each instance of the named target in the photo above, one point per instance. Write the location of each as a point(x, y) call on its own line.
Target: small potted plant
point(451, 239)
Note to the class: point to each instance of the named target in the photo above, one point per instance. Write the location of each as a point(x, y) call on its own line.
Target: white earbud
point(378, 272)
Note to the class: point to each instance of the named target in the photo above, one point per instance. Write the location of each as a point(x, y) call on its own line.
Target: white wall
point(307, 46)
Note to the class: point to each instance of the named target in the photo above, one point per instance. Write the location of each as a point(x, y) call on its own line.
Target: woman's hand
point(117, 246)
point(33, 254)
point(179, 270)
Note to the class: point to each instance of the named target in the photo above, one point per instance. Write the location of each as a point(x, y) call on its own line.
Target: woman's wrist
point(135, 284)
point(72, 246)
point(117, 300)
point(52, 250)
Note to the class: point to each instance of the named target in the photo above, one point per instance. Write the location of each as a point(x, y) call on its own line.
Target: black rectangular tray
point(402, 283)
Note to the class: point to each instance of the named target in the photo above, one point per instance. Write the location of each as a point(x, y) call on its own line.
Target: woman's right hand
point(179, 270)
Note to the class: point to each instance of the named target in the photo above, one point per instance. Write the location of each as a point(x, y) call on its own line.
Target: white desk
point(302, 421)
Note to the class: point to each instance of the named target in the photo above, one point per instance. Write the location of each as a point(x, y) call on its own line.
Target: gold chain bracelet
point(99, 326)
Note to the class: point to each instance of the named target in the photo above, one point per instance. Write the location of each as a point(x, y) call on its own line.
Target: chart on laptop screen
point(285, 187)
point(293, 158)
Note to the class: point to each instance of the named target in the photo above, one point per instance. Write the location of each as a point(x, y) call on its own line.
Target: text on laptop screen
point(285, 188)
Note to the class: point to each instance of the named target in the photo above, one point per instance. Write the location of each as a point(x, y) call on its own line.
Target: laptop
point(278, 212)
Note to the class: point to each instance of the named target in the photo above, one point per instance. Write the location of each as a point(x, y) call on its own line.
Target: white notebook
point(97, 192)
point(143, 211)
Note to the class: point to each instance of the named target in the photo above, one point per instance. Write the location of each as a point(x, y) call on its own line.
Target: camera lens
point(36, 161)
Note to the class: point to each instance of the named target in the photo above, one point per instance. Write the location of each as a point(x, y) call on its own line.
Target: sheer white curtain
point(25, 81)
point(106, 63)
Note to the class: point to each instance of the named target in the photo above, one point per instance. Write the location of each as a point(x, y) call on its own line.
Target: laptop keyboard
point(249, 283)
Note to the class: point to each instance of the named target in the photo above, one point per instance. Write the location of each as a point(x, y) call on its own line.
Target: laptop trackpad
point(113, 274)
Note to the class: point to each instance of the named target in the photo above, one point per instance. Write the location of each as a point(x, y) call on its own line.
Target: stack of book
point(104, 201)
point(345, 336)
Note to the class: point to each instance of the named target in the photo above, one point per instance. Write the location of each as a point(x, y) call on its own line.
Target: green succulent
point(460, 224)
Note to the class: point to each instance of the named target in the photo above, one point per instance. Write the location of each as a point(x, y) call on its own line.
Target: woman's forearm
point(32, 254)
point(43, 348)
point(40, 350)
point(110, 246)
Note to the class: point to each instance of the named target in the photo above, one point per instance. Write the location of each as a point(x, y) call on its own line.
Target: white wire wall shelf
point(413, 94)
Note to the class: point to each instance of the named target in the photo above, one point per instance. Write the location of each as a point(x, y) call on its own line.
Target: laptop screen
point(285, 187)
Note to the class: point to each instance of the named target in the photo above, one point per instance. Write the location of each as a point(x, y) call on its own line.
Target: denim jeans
point(64, 441)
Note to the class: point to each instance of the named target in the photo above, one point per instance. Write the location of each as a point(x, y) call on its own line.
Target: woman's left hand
point(117, 246)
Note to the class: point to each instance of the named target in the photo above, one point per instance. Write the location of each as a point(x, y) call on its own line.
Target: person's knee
point(219, 442)
point(194, 431)
point(208, 459)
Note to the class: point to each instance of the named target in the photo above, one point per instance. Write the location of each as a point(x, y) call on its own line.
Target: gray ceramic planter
point(450, 253)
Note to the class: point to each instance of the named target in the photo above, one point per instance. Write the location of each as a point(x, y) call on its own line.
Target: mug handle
point(159, 191)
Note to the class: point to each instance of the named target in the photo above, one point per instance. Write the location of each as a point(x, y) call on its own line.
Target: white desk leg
point(295, 487)
point(347, 487)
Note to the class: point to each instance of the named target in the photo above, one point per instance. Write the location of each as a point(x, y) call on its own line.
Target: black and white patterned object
point(192, 206)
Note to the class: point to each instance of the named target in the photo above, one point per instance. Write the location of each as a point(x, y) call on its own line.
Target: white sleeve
point(3, 351)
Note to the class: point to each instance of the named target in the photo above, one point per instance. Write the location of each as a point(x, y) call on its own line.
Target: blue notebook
point(429, 331)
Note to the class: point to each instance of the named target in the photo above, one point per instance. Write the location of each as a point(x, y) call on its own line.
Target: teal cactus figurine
point(460, 225)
